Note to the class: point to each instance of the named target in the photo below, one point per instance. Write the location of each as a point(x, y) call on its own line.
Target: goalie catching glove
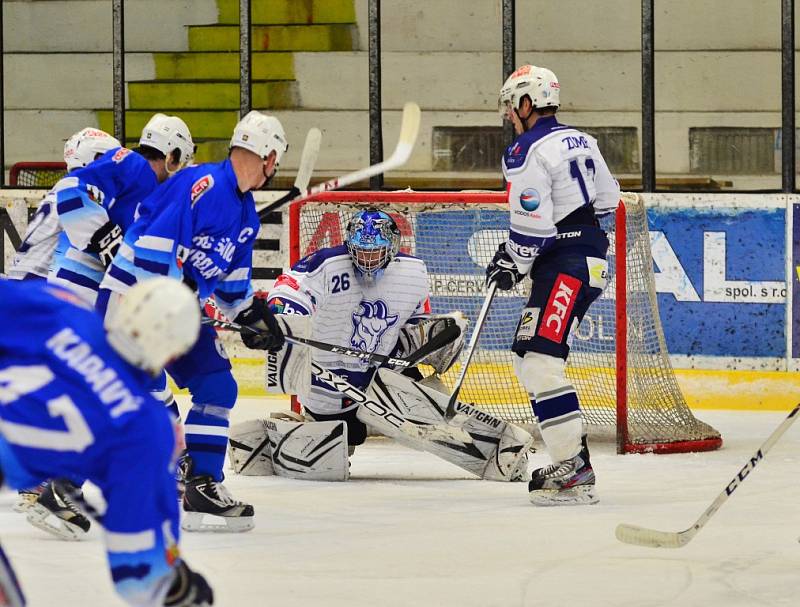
point(503, 270)
point(259, 317)
point(414, 336)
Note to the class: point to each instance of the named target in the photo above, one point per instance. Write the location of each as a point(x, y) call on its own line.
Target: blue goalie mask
point(373, 240)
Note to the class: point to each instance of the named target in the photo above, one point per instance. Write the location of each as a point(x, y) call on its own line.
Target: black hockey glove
point(105, 242)
point(503, 270)
point(188, 589)
point(258, 316)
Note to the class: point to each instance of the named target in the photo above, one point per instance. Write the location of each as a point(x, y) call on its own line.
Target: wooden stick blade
point(409, 129)
point(308, 159)
point(652, 538)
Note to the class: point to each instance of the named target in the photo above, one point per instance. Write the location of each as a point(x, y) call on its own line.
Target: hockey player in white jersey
point(35, 255)
point(360, 294)
point(558, 182)
point(365, 296)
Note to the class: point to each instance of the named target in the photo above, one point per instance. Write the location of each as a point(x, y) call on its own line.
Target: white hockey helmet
point(538, 83)
point(260, 134)
point(166, 133)
point(84, 146)
point(156, 321)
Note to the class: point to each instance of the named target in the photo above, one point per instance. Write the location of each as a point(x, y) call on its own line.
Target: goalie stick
point(642, 536)
point(442, 338)
point(409, 128)
point(308, 158)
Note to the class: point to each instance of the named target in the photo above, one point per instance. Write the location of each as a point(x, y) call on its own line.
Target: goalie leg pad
point(302, 450)
point(496, 450)
point(249, 449)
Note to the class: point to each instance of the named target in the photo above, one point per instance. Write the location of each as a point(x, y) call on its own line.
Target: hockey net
point(618, 361)
point(36, 174)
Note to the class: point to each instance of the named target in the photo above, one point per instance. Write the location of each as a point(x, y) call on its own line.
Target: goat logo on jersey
point(530, 199)
point(369, 325)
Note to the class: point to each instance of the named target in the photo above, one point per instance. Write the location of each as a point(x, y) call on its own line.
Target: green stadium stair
point(336, 37)
point(202, 85)
point(222, 65)
point(295, 12)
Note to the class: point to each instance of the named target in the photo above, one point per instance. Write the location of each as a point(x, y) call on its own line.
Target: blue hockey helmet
point(373, 240)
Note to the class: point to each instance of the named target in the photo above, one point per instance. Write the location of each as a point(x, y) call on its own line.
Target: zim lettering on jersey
point(575, 142)
point(559, 307)
point(120, 155)
point(103, 380)
point(200, 187)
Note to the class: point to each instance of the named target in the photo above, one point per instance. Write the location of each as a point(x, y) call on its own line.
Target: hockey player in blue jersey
point(96, 204)
point(35, 254)
point(75, 402)
point(558, 183)
point(90, 210)
point(200, 227)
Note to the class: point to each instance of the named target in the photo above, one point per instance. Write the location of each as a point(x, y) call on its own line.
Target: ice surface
point(410, 530)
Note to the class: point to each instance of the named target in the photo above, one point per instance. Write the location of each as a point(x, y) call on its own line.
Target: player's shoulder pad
point(315, 260)
point(516, 155)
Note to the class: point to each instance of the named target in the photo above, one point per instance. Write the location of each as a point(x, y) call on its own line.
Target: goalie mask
point(373, 240)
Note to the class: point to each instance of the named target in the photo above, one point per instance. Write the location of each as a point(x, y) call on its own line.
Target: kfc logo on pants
point(559, 307)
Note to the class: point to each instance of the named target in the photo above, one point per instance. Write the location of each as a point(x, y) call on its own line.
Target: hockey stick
point(10, 591)
point(442, 338)
point(308, 159)
point(642, 536)
point(409, 128)
point(450, 413)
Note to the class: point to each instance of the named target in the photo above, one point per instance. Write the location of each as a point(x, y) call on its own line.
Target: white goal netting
point(457, 234)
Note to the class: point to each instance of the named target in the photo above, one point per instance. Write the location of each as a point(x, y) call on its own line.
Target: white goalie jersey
point(349, 311)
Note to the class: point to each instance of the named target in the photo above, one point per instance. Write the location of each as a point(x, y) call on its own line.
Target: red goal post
point(618, 362)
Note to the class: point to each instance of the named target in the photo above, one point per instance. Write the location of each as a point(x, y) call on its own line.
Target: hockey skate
point(56, 513)
point(208, 506)
point(566, 483)
point(184, 469)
